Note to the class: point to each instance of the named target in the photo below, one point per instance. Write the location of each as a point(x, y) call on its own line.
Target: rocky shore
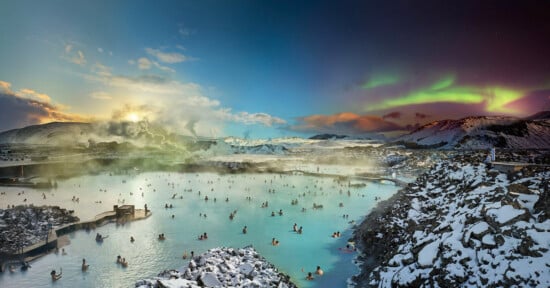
point(460, 224)
point(222, 267)
point(23, 225)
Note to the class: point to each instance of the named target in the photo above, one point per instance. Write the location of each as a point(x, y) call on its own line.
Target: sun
point(132, 117)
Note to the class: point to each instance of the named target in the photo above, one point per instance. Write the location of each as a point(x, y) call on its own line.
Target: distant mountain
point(482, 132)
point(327, 137)
point(539, 116)
point(269, 149)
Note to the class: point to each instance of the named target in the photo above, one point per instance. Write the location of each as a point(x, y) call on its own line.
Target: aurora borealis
point(272, 68)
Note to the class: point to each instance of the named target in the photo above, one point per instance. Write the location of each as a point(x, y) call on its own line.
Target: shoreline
point(371, 256)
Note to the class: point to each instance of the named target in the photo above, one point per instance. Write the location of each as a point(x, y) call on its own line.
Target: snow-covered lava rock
point(22, 226)
point(222, 267)
point(460, 224)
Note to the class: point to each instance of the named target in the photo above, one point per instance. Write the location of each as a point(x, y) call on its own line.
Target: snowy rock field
point(461, 224)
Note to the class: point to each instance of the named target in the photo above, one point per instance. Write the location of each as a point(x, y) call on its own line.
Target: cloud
point(101, 70)
point(100, 50)
point(186, 32)
point(181, 107)
point(344, 123)
point(74, 56)
point(394, 115)
point(5, 86)
point(163, 68)
point(164, 57)
point(22, 109)
point(144, 63)
point(68, 48)
point(79, 58)
point(101, 95)
point(31, 94)
point(252, 118)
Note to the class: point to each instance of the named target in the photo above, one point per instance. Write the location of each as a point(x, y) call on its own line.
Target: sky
point(272, 68)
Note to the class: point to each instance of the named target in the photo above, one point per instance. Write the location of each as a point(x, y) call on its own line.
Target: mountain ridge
point(478, 132)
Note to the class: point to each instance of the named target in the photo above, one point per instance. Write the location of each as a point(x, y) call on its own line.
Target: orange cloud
point(344, 123)
point(27, 107)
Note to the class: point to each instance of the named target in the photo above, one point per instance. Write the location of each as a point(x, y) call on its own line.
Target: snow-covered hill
point(482, 132)
point(74, 133)
point(54, 133)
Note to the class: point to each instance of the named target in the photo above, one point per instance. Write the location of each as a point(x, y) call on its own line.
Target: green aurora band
point(380, 80)
point(495, 97)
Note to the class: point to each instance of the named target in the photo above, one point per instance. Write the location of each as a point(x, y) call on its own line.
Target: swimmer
point(300, 230)
point(319, 271)
point(84, 265)
point(244, 230)
point(55, 276)
point(309, 276)
point(295, 228)
point(132, 239)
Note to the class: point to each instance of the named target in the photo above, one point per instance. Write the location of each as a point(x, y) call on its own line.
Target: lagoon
point(148, 256)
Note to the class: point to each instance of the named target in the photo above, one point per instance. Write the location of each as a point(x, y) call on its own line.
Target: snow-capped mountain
point(482, 132)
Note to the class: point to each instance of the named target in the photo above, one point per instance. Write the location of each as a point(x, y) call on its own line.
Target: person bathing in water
point(55, 276)
point(319, 271)
point(84, 265)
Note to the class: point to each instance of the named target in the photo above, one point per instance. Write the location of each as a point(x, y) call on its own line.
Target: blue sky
point(270, 68)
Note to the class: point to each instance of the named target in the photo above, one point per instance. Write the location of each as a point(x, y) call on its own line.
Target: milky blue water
point(147, 255)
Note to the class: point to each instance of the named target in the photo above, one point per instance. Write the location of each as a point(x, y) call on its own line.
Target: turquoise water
point(147, 256)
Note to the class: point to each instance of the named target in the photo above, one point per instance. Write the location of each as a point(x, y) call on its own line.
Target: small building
point(124, 211)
